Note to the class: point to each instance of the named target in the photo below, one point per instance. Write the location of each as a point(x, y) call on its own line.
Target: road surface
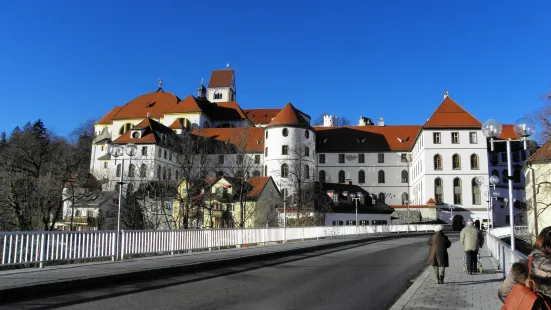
point(367, 276)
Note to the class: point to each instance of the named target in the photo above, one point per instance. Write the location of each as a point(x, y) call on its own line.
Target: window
point(307, 134)
point(405, 199)
point(266, 135)
point(381, 176)
point(503, 157)
point(457, 191)
point(404, 158)
point(266, 152)
point(265, 171)
point(516, 158)
point(164, 173)
point(361, 176)
point(217, 95)
point(322, 158)
point(164, 155)
point(177, 175)
point(341, 176)
point(240, 159)
point(361, 158)
point(516, 175)
point(455, 137)
point(221, 159)
point(382, 197)
point(494, 159)
point(159, 172)
point(170, 155)
point(306, 172)
point(364, 222)
point(105, 165)
point(495, 172)
point(476, 192)
point(284, 150)
point(379, 222)
point(118, 173)
point(322, 176)
point(257, 159)
point(206, 124)
point(143, 171)
point(159, 153)
point(256, 173)
point(338, 223)
point(341, 158)
point(456, 162)
point(169, 173)
point(144, 150)
point(473, 139)
point(404, 176)
point(438, 190)
point(436, 138)
point(350, 223)
point(285, 132)
point(437, 162)
point(284, 171)
point(505, 178)
point(474, 162)
point(381, 158)
point(306, 151)
point(125, 128)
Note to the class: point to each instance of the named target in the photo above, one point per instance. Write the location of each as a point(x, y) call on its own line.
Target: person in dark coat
point(438, 253)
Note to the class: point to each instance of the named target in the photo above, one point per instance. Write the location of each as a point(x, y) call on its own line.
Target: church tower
point(221, 86)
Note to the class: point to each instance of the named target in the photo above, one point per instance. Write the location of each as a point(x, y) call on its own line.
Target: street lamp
point(493, 181)
point(356, 197)
point(117, 151)
point(524, 128)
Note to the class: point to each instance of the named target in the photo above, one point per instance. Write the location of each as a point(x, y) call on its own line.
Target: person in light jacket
point(471, 239)
point(438, 253)
point(541, 269)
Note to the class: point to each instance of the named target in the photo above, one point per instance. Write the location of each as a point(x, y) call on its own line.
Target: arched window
point(164, 173)
point(118, 173)
point(185, 123)
point(169, 174)
point(306, 172)
point(361, 176)
point(266, 171)
point(131, 170)
point(474, 162)
point(77, 213)
point(322, 175)
point(476, 192)
point(124, 128)
point(505, 174)
point(307, 134)
point(438, 190)
point(456, 161)
point(143, 171)
point(159, 172)
point(457, 195)
point(285, 132)
point(256, 173)
point(382, 197)
point(341, 176)
point(129, 189)
point(266, 134)
point(404, 176)
point(516, 175)
point(405, 198)
point(381, 176)
point(495, 172)
point(437, 162)
point(284, 171)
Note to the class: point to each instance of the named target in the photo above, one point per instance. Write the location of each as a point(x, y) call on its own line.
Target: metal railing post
point(41, 264)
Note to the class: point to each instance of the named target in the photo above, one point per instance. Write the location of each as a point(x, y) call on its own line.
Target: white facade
point(347, 219)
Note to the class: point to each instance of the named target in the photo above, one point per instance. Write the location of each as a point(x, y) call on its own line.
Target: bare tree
point(543, 118)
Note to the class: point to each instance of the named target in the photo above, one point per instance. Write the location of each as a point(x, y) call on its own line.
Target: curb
point(405, 298)
point(36, 291)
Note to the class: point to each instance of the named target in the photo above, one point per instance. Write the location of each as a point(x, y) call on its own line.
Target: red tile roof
point(289, 116)
point(450, 114)
point(261, 116)
point(154, 103)
point(224, 106)
point(189, 104)
point(542, 154)
point(508, 132)
point(149, 128)
point(249, 138)
point(108, 118)
point(258, 184)
point(366, 138)
point(221, 78)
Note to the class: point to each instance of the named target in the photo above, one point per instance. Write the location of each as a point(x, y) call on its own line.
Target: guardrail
point(28, 249)
point(503, 253)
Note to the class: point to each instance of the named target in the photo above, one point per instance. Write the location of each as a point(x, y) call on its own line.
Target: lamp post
point(356, 197)
point(524, 128)
point(117, 151)
point(480, 182)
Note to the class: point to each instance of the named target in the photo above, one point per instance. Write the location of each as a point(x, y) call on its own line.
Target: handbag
point(524, 296)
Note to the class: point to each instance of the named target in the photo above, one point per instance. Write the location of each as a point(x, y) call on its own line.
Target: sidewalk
point(459, 291)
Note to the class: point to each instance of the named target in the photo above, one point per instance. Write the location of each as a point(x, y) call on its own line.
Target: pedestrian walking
point(438, 253)
point(539, 273)
point(471, 239)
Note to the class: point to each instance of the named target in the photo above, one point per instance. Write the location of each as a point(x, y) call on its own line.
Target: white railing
point(28, 248)
point(502, 252)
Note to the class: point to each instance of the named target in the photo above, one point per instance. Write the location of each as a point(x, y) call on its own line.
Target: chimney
point(329, 120)
point(446, 94)
point(365, 121)
point(381, 122)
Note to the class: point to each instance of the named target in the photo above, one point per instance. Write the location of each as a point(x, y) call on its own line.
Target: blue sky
point(69, 61)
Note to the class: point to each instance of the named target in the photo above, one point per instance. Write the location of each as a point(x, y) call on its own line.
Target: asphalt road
point(370, 276)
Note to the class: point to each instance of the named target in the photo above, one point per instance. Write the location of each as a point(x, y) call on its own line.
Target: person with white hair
point(471, 239)
point(438, 253)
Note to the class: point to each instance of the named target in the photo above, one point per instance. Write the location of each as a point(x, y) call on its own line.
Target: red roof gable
point(258, 184)
point(249, 138)
point(542, 154)
point(221, 78)
point(153, 103)
point(289, 116)
point(450, 114)
point(189, 104)
point(261, 116)
point(148, 128)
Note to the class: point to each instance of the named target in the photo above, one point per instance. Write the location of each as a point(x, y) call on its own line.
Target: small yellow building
point(537, 172)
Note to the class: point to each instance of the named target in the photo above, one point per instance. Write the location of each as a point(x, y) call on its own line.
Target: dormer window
point(124, 128)
point(136, 134)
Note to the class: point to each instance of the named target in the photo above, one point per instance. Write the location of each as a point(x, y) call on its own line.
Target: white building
point(401, 164)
